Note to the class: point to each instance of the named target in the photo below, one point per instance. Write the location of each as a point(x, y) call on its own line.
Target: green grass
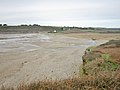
point(111, 65)
point(105, 57)
point(108, 64)
point(89, 49)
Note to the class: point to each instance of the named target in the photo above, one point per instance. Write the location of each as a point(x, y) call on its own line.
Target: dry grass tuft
point(103, 81)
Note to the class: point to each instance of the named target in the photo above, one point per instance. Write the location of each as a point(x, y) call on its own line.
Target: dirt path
point(32, 57)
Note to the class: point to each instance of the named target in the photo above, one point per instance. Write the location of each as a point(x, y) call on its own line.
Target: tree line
point(22, 25)
point(3, 24)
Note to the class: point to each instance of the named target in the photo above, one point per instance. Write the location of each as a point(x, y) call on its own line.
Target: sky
point(82, 13)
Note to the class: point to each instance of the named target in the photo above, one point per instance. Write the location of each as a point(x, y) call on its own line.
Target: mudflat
point(32, 57)
point(95, 36)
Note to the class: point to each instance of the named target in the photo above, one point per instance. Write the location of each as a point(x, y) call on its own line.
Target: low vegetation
point(101, 60)
point(101, 71)
point(36, 28)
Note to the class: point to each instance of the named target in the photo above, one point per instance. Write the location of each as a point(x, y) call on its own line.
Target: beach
point(32, 57)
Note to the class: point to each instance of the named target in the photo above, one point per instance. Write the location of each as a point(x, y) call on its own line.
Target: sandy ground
point(26, 58)
point(97, 36)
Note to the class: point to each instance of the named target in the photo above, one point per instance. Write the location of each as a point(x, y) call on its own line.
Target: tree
point(23, 25)
point(36, 25)
point(4, 24)
point(0, 24)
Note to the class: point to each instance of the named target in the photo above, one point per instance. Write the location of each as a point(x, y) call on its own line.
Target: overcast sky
point(85, 13)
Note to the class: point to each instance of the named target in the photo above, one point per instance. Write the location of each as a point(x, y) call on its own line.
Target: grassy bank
point(100, 71)
point(104, 60)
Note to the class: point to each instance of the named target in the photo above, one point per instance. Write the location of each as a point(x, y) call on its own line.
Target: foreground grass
point(103, 81)
point(100, 72)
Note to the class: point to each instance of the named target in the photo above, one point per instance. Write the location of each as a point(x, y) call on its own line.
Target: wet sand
point(32, 57)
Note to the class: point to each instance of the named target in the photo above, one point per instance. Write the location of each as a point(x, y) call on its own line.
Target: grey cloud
point(72, 12)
